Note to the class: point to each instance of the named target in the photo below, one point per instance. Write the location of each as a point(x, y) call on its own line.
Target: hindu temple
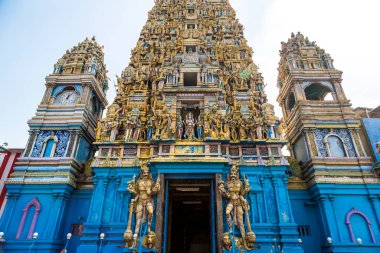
point(188, 157)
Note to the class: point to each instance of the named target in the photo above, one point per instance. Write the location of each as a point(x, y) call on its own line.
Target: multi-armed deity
point(237, 208)
point(191, 54)
point(143, 206)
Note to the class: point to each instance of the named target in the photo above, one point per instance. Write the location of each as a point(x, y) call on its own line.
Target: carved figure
point(179, 128)
point(149, 241)
point(144, 189)
point(190, 126)
point(234, 191)
point(217, 51)
point(114, 130)
point(227, 244)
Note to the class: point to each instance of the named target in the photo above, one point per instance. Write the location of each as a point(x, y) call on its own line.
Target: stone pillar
point(96, 209)
point(181, 78)
point(360, 142)
point(70, 145)
point(355, 141)
point(6, 218)
point(78, 135)
point(219, 215)
point(326, 213)
point(311, 143)
point(55, 217)
point(48, 92)
point(86, 93)
point(29, 146)
point(331, 199)
point(160, 214)
point(339, 90)
point(298, 91)
point(375, 202)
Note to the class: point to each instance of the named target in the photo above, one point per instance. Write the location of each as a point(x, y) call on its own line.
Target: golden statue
point(143, 205)
point(234, 190)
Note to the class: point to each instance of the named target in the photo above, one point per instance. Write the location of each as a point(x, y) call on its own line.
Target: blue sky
point(34, 34)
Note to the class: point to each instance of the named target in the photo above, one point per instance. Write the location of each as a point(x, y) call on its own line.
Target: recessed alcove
point(191, 48)
point(190, 79)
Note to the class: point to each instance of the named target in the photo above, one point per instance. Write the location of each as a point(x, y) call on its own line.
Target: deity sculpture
point(199, 128)
point(218, 53)
point(143, 204)
point(129, 125)
point(114, 130)
point(215, 122)
point(179, 128)
point(234, 191)
point(378, 147)
point(190, 126)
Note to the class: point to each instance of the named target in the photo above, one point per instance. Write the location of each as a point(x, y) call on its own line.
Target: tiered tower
point(325, 139)
point(41, 189)
point(190, 104)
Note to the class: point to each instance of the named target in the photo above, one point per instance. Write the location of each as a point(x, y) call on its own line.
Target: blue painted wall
point(270, 213)
point(325, 207)
point(53, 201)
point(372, 128)
point(84, 150)
point(77, 212)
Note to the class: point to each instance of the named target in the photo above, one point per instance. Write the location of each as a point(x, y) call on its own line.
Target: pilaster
point(48, 92)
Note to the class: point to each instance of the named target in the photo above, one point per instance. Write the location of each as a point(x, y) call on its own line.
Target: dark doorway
point(189, 228)
point(190, 79)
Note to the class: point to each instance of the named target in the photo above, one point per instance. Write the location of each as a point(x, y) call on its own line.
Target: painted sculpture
point(237, 207)
point(143, 206)
point(213, 55)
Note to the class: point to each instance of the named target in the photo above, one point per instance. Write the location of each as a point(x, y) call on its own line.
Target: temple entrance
point(190, 217)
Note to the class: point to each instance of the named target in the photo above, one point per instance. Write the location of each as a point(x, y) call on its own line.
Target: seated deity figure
point(143, 204)
point(234, 191)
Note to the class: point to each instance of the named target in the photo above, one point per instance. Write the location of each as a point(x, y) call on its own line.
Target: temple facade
point(188, 157)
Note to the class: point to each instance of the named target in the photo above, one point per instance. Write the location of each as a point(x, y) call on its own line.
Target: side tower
point(338, 185)
point(59, 146)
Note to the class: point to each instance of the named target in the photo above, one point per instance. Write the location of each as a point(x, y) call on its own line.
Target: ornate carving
point(312, 144)
point(63, 140)
point(143, 206)
point(320, 135)
point(234, 191)
point(87, 57)
point(212, 50)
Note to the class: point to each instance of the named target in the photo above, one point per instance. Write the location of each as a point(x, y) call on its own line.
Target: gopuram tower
point(190, 150)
